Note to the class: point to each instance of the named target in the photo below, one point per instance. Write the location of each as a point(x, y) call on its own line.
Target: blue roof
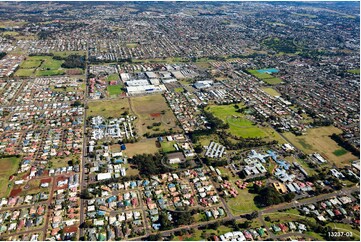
point(100, 212)
point(283, 164)
point(111, 199)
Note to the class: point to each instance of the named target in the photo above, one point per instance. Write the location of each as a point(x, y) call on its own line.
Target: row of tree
point(72, 61)
point(345, 144)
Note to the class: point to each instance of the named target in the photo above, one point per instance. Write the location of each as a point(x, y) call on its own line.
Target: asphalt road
point(82, 166)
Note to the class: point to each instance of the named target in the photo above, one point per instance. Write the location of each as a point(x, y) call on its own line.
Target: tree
point(289, 196)
point(198, 149)
point(164, 221)
point(77, 103)
point(268, 196)
point(183, 218)
point(155, 237)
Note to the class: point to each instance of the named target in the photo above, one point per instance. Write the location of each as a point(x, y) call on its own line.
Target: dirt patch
point(15, 192)
point(46, 180)
point(155, 115)
point(71, 229)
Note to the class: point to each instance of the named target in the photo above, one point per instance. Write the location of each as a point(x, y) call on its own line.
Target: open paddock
point(108, 108)
point(146, 146)
point(9, 166)
point(146, 107)
point(318, 140)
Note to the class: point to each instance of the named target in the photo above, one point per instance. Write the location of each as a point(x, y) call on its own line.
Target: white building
point(104, 176)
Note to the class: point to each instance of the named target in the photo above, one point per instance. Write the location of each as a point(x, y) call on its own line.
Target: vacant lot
point(109, 108)
point(318, 140)
point(239, 125)
point(154, 114)
point(146, 146)
point(9, 166)
point(271, 91)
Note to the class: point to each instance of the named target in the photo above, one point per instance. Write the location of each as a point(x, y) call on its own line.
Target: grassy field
point(271, 91)
point(130, 170)
point(114, 90)
point(243, 203)
point(168, 146)
point(197, 235)
point(131, 45)
point(346, 228)
point(265, 77)
point(168, 60)
point(9, 166)
point(206, 140)
point(339, 152)
point(109, 108)
point(67, 53)
point(58, 162)
point(272, 81)
point(24, 72)
point(239, 125)
point(113, 77)
point(146, 146)
point(354, 71)
point(49, 72)
point(287, 216)
point(28, 64)
point(305, 15)
point(40, 66)
point(178, 89)
point(153, 109)
point(318, 140)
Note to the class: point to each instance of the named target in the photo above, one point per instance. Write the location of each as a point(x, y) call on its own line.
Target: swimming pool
point(268, 70)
